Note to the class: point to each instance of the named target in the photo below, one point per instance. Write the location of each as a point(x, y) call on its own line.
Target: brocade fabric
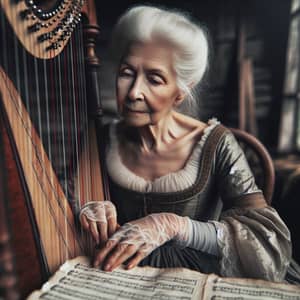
point(253, 241)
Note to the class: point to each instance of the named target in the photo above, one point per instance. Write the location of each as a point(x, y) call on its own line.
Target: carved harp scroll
point(48, 70)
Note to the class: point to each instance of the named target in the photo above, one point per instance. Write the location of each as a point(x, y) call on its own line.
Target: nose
point(137, 90)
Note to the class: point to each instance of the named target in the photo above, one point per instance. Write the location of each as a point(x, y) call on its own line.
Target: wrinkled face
point(146, 84)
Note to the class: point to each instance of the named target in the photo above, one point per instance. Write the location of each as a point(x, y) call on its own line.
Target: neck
point(156, 137)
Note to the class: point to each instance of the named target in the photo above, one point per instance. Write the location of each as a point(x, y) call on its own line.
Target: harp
point(49, 112)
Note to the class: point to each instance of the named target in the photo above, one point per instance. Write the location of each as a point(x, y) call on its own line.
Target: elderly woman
point(170, 174)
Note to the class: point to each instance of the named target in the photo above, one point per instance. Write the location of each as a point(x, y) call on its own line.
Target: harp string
point(35, 107)
point(81, 115)
point(53, 142)
point(72, 114)
point(47, 123)
point(82, 92)
point(66, 61)
point(76, 145)
point(61, 138)
point(64, 94)
point(87, 190)
point(76, 129)
point(78, 124)
point(84, 116)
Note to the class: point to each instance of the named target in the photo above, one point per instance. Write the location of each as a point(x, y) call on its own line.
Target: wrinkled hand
point(137, 239)
point(100, 219)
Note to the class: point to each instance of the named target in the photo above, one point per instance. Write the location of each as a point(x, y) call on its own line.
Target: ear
point(181, 95)
point(180, 98)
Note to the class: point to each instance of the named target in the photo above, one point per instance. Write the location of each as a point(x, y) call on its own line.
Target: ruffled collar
point(172, 182)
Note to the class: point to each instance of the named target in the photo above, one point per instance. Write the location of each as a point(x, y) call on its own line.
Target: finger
point(102, 253)
point(102, 228)
point(94, 231)
point(120, 256)
point(140, 255)
point(84, 222)
point(121, 250)
point(112, 226)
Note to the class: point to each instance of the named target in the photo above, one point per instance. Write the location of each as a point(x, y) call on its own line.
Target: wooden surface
point(30, 38)
point(24, 249)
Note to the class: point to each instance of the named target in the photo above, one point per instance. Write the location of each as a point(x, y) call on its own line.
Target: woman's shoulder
point(202, 127)
point(189, 123)
point(214, 132)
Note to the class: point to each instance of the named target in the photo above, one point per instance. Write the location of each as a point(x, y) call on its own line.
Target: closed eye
point(126, 72)
point(155, 79)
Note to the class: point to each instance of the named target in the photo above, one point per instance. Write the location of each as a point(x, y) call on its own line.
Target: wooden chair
point(259, 160)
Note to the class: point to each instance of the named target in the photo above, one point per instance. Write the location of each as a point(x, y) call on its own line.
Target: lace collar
point(172, 182)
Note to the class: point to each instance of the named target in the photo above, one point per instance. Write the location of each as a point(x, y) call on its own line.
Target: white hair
point(148, 23)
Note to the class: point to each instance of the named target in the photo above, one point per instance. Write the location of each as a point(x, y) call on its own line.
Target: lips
point(136, 111)
point(128, 109)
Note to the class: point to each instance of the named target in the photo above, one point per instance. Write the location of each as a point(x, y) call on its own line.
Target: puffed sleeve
point(253, 241)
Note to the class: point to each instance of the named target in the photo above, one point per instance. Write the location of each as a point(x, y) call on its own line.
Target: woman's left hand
point(137, 239)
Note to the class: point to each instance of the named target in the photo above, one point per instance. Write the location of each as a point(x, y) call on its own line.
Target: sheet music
point(77, 280)
point(248, 289)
